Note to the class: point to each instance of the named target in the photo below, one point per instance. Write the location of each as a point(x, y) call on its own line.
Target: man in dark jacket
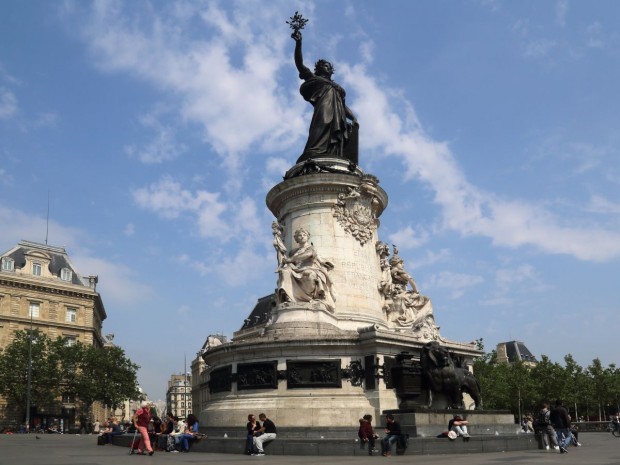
point(392, 434)
point(561, 423)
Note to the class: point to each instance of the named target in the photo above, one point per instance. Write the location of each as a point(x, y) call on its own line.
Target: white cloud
point(465, 208)
point(409, 238)
point(129, 230)
point(168, 199)
point(507, 278)
point(455, 283)
point(117, 282)
point(227, 81)
point(594, 35)
point(599, 204)
point(561, 11)
point(8, 103)
point(164, 145)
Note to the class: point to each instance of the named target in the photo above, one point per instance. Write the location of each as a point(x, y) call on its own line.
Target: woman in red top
point(141, 421)
point(367, 434)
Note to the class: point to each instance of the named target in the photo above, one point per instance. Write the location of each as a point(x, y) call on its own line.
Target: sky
point(156, 128)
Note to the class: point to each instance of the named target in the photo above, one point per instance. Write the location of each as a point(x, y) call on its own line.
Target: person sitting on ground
point(253, 426)
point(367, 434)
point(459, 426)
point(267, 434)
point(392, 434)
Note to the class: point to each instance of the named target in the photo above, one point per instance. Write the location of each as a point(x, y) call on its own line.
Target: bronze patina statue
point(330, 131)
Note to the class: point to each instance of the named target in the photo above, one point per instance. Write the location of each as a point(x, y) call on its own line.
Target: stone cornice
point(319, 183)
point(45, 288)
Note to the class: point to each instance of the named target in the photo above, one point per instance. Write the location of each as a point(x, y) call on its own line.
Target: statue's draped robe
point(328, 130)
point(306, 279)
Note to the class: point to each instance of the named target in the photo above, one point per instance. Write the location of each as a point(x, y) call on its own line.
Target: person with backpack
point(543, 425)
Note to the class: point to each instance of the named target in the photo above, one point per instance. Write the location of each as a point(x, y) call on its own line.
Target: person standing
point(561, 423)
point(141, 420)
point(392, 434)
point(96, 427)
point(268, 433)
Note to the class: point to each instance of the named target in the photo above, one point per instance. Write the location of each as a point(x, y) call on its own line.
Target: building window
point(68, 398)
point(70, 341)
point(34, 310)
point(66, 274)
point(36, 269)
point(71, 315)
point(8, 264)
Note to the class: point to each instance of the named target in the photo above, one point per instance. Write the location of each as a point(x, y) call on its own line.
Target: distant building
point(515, 351)
point(40, 289)
point(179, 395)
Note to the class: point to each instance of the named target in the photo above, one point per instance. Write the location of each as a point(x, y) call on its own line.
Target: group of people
point(555, 427)
point(259, 434)
point(457, 426)
point(393, 434)
point(169, 435)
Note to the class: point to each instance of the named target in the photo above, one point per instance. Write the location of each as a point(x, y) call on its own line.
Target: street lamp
point(29, 382)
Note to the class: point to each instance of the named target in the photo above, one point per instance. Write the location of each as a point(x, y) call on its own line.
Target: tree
point(99, 374)
point(89, 373)
point(46, 374)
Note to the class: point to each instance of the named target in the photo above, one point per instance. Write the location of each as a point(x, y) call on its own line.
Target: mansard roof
point(517, 351)
point(261, 311)
point(57, 255)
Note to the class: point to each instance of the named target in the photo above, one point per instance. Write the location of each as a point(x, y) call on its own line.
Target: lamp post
point(29, 382)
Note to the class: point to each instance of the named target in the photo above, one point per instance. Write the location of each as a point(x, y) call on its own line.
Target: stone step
point(350, 447)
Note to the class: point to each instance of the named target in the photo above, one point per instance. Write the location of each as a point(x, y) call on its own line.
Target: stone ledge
point(351, 447)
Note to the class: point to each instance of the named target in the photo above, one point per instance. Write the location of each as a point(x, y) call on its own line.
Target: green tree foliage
point(89, 373)
point(592, 391)
point(45, 369)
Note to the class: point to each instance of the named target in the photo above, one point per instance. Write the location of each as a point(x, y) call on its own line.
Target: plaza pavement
point(22, 449)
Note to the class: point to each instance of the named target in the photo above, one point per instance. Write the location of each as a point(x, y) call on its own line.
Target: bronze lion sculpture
point(440, 375)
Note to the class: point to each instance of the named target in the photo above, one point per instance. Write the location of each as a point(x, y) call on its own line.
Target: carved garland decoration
point(356, 211)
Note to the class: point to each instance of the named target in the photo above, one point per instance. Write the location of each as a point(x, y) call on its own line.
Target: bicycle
point(614, 428)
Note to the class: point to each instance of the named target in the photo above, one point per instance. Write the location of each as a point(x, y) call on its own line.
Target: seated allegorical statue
point(304, 275)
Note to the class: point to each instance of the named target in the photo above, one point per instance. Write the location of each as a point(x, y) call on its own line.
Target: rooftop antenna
point(47, 224)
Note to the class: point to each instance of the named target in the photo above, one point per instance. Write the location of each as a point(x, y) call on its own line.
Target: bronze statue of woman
point(329, 130)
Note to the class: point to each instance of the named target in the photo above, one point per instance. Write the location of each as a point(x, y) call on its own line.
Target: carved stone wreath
point(354, 212)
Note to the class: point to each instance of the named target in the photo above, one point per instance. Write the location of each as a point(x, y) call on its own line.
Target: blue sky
point(158, 127)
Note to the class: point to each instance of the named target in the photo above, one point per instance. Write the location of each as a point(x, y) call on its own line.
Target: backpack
point(170, 444)
point(543, 418)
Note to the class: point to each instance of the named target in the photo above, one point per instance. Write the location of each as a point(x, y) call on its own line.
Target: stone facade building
point(179, 395)
point(40, 289)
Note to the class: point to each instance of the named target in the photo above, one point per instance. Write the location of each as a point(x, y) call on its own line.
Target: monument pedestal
point(319, 353)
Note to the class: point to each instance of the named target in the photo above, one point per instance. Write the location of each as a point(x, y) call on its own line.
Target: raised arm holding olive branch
point(329, 129)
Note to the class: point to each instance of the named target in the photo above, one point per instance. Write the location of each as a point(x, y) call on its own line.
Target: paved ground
point(598, 449)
